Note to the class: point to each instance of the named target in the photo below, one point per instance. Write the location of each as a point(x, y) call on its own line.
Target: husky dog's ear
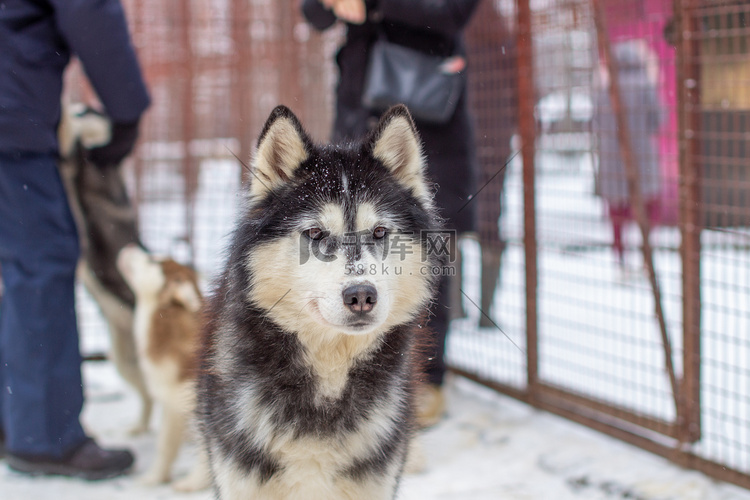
point(282, 147)
point(396, 144)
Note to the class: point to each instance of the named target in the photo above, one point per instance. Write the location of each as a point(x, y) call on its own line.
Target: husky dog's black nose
point(360, 298)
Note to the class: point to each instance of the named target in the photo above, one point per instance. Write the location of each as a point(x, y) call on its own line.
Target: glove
point(120, 145)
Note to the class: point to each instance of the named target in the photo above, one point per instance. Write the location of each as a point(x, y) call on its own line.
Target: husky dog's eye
point(315, 233)
point(379, 233)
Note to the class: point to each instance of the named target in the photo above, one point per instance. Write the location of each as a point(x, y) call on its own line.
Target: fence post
point(188, 132)
point(688, 99)
point(527, 130)
point(634, 189)
point(241, 85)
point(288, 52)
point(137, 28)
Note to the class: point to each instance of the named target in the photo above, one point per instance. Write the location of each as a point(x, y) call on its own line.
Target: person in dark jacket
point(40, 363)
point(435, 27)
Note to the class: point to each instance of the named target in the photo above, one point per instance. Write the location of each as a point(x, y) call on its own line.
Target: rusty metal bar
point(240, 86)
point(514, 392)
point(688, 78)
point(190, 169)
point(527, 131)
point(564, 397)
point(290, 91)
point(634, 188)
point(136, 20)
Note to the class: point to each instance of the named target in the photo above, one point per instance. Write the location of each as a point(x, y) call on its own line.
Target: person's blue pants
point(41, 395)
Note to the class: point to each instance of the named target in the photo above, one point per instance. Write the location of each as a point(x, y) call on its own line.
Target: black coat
point(37, 38)
point(432, 26)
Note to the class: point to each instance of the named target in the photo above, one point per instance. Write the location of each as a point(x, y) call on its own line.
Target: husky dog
point(167, 330)
point(106, 223)
point(305, 389)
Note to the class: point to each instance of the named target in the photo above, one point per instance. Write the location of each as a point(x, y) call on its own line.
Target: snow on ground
point(488, 447)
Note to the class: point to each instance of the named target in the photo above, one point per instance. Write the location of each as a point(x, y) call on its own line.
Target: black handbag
point(401, 75)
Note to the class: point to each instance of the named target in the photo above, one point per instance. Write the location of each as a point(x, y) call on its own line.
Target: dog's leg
point(171, 432)
point(122, 350)
point(123, 355)
point(199, 477)
point(232, 482)
point(416, 459)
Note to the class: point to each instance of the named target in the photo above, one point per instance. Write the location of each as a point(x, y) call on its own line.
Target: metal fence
point(653, 347)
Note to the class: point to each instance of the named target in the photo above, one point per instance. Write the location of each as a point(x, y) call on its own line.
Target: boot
point(88, 461)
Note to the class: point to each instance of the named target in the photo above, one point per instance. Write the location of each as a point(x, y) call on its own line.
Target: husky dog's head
point(336, 237)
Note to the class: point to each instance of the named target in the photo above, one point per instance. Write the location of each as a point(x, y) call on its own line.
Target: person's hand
point(121, 142)
point(350, 11)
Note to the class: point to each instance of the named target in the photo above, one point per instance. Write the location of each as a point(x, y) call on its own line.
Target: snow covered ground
point(488, 447)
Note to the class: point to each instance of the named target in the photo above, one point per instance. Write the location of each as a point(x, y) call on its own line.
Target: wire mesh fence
point(627, 313)
point(719, 69)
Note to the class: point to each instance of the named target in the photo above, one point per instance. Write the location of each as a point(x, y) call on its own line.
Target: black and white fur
point(305, 391)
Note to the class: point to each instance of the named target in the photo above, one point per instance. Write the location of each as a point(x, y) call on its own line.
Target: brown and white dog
point(166, 328)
